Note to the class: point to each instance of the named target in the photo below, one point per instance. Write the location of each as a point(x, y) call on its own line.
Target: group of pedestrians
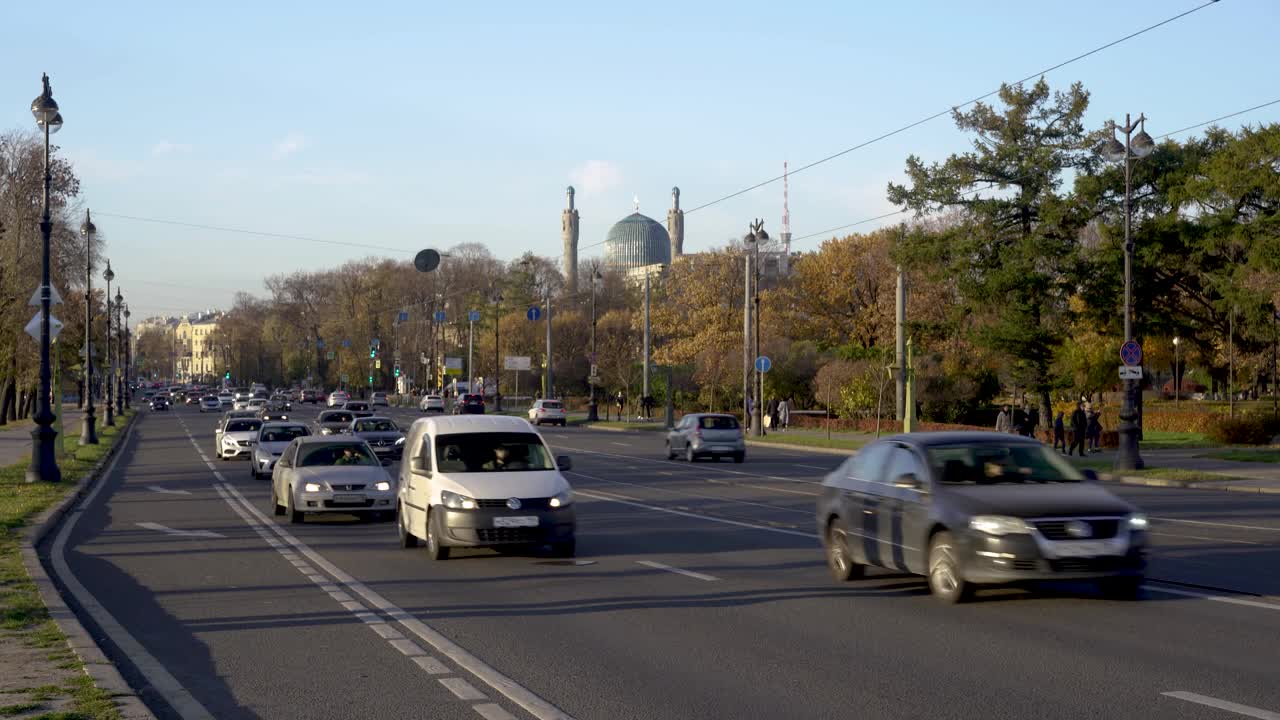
point(1085, 421)
point(1018, 421)
point(777, 413)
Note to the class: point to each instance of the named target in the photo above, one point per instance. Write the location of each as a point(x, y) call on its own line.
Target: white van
point(482, 481)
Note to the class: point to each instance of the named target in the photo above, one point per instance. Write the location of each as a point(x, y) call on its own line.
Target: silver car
point(333, 422)
point(707, 435)
point(273, 438)
point(331, 474)
point(385, 438)
point(238, 437)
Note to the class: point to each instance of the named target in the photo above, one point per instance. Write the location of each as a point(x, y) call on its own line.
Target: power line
point(242, 231)
point(1217, 119)
point(949, 110)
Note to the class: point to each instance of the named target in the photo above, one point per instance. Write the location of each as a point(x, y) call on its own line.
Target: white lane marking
point(386, 631)
point(1227, 705)
point(806, 493)
point(515, 692)
point(429, 665)
point(813, 467)
point(1202, 537)
point(1216, 598)
point(179, 533)
point(156, 675)
point(157, 488)
point(491, 711)
point(463, 689)
point(678, 571)
point(620, 444)
point(1217, 524)
point(625, 500)
point(700, 468)
point(721, 498)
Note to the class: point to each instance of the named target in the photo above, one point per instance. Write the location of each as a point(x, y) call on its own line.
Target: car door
point(287, 460)
point(415, 492)
point(904, 509)
point(677, 437)
point(860, 503)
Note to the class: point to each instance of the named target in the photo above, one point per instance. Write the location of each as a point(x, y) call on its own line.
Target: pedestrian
point(1095, 431)
point(1059, 432)
point(1003, 420)
point(784, 413)
point(621, 401)
point(1079, 426)
point(751, 410)
point(1033, 422)
point(774, 418)
point(647, 403)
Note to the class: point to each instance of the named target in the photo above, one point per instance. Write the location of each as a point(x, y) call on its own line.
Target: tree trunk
point(6, 400)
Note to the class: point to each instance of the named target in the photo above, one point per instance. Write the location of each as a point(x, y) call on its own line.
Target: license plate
point(720, 448)
point(519, 521)
point(347, 499)
point(1083, 549)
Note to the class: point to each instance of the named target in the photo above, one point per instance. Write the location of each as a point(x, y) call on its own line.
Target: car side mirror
point(418, 466)
point(908, 481)
point(564, 462)
point(1090, 474)
point(284, 464)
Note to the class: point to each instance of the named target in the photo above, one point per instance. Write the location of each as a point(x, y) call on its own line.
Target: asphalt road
point(699, 592)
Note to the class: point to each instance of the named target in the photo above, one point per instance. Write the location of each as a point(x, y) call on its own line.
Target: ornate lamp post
point(117, 358)
point(89, 426)
point(593, 410)
point(110, 421)
point(44, 465)
point(128, 359)
point(754, 239)
point(1133, 149)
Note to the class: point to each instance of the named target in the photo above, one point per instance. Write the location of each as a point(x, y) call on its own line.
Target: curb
point(96, 664)
point(1221, 486)
point(806, 448)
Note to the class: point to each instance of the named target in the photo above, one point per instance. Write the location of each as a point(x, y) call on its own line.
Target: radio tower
point(786, 215)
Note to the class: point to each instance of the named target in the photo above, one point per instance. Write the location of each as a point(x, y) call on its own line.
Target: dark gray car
point(975, 508)
point(699, 435)
point(383, 435)
point(333, 422)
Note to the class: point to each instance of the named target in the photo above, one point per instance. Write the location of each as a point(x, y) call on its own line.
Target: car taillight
point(698, 433)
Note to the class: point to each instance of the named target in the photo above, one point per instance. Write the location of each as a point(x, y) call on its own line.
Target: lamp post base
point(44, 465)
point(89, 428)
point(1129, 457)
point(593, 412)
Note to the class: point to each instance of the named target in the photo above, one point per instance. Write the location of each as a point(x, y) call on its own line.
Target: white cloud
point(595, 176)
point(292, 143)
point(164, 147)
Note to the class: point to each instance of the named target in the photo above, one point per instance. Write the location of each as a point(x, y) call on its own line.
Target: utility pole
point(497, 356)
point(645, 386)
point(471, 347)
point(754, 239)
point(549, 376)
point(746, 339)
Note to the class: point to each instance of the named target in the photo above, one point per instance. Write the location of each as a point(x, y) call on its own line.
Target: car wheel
point(945, 579)
point(565, 548)
point(839, 559)
point(739, 457)
point(295, 516)
point(276, 508)
point(1122, 588)
point(407, 539)
point(670, 455)
point(253, 468)
point(434, 549)
point(688, 453)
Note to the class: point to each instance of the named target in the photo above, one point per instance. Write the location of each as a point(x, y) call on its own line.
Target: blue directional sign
point(1131, 353)
point(403, 316)
point(346, 343)
point(534, 313)
point(320, 343)
point(763, 363)
point(440, 316)
point(474, 316)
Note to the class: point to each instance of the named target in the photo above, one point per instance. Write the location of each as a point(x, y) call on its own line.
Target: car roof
point(279, 424)
point(474, 423)
point(331, 439)
point(372, 417)
point(960, 437)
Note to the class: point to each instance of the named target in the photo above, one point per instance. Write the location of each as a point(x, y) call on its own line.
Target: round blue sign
point(763, 363)
point(534, 313)
point(346, 343)
point(1131, 353)
point(440, 316)
point(474, 316)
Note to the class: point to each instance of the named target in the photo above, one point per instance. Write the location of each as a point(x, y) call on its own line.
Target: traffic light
point(397, 370)
point(370, 379)
point(226, 375)
point(373, 351)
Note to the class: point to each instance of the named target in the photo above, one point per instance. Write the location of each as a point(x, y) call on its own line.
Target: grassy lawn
point(656, 425)
point(1262, 455)
point(1179, 474)
point(1162, 439)
point(23, 616)
point(812, 440)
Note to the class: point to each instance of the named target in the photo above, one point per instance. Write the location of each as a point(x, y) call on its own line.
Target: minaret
point(569, 232)
point(786, 224)
point(675, 225)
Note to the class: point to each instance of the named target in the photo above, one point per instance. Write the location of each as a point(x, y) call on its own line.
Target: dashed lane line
point(686, 493)
point(1220, 704)
point(678, 571)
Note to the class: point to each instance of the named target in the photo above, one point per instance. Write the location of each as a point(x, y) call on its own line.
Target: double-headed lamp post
point(117, 358)
point(593, 409)
point(89, 426)
point(44, 464)
point(754, 239)
point(110, 358)
point(1134, 148)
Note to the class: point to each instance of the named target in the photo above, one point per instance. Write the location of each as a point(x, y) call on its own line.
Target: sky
point(407, 125)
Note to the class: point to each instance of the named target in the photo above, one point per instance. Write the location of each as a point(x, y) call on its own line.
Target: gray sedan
point(333, 422)
point(273, 438)
point(707, 435)
point(331, 474)
point(385, 438)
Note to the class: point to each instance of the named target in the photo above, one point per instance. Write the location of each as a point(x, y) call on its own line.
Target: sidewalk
point(1182, 467)
point(15, 443)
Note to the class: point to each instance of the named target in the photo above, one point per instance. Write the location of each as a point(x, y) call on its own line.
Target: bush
point(1243, 430)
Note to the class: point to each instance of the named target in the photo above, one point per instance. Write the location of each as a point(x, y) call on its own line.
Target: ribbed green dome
point(636, 241)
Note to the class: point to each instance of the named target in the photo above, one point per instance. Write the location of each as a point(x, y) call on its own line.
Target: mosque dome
point(636, 241)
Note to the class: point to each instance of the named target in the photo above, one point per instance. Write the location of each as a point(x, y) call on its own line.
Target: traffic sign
point(473, 316)
point(377, 363)
point(346, 343)
point(440, 316)
point(1130, 372)
point(517, 362)
point(375, 342)
point(403, 316)
point(534, 313)
point(33, 327)
point(763, 363)
point(344, 377)
point(1131, 353)
point(329, 355)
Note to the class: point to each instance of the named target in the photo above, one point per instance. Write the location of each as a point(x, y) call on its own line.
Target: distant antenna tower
point(786, 214)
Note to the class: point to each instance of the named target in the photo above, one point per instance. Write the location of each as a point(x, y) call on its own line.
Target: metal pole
point(497, 359)
point(88, 426)
point(471, 346)
point(900, 347)
point(644, 393)
point(1231, 361)
point(1177, 378)
point(549, 376)
point(1128, 457)
point(593, 409)
point(758, 420)
point(746, 342)
point(112, 308)
point(1275, 408)
point(44, 466)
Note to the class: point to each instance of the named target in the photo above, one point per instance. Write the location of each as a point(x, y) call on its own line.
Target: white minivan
point(483, 481)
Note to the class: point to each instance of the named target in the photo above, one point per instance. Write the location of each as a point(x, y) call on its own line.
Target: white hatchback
point(432, 403)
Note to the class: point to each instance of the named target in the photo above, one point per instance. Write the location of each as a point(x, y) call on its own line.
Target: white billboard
point(517, 362)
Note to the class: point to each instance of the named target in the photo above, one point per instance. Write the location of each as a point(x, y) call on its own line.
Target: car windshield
point(996, 463)
point(491, 452)
point(243, 425)
point(282, 434)
point(357, 405)
point(552, 405)
point(336, 417)
point(336, 454)
point(718, 422)
point(376, 426)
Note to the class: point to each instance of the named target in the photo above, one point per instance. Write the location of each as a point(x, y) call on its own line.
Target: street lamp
point(44, 464)
point(89, 425)
point(593, 411)
point(117, 358)
point(1134, 148)
point(497, 355)
point(753, 239)
point(128, 359)
point(109, 391)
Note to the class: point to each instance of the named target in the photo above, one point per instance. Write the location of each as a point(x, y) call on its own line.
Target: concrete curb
point(806, 448)
point(1221, 486)
point(96, 664)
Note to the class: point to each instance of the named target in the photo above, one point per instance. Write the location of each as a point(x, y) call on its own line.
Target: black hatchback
point(469, 404)
point(974, 508)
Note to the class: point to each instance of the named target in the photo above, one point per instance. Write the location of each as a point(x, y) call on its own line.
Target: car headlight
point(311, 487)
point(454, 501)
point(1138, 521)
point(400, 441)
point(228, 440)
point(326, 431)
point(562, 499)
point(382, 486)
point(998, 525)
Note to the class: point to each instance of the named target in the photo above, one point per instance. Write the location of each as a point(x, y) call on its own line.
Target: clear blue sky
point(411, 124)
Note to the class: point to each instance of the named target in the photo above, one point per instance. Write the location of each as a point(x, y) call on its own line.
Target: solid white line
point(492, 711)
point(1217, 524)
point(179, 533)
point(620, 444)
point(157, 676)
point(811, 467)
point(515, 692)
point(157, 488)
point(1211, 539)
point(463, 689)
point(625, 500)
point(679, 571)
point(1215, 598)
point(1227, 705)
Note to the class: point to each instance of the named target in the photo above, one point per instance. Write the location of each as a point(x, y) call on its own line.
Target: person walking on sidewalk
point(784, 414)
point(1059, 432)
point(1095, 431)
point(1003, 420)
point(1079, 425)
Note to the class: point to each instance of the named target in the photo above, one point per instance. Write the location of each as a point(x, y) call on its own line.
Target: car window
point(376, 426)
point(993, 463)
point(903, 462)
point(491, 452)
point(552, 405)
point(282, 434)
point(718, 422)
point(335, 417)
point(243, 425)
point(869, 464)
point(336, 454)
